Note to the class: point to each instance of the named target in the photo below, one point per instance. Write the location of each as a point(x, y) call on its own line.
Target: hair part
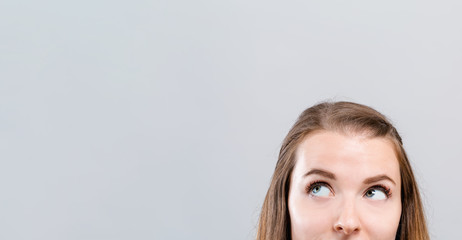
point(347, 118)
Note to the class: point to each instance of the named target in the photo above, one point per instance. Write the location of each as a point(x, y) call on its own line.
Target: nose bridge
point(348, 205)
point(348, 220)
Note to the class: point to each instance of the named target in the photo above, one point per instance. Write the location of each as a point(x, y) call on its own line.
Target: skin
point(345, 207)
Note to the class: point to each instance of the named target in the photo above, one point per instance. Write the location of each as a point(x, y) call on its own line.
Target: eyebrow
point(330, 175)
point(378, 178)
point(320, 172)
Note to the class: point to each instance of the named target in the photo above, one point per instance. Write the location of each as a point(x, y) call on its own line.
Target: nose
point(348, 221)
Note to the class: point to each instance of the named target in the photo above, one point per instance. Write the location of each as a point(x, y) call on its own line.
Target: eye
point(377, 193)
point(319, 190)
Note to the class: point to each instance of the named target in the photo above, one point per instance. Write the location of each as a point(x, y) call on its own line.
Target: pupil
point(316, 189)
point(370, 193)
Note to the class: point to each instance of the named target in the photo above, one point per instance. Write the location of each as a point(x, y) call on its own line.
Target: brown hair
point(345, 117)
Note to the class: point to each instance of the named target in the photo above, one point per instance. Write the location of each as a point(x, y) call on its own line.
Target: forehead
point(347, 154)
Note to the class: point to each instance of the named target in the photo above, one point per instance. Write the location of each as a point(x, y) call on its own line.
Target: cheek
point(382, 222)
point(307, 220)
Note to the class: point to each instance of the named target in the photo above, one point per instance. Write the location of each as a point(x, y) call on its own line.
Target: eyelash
point(313, 184)
point(381, 187)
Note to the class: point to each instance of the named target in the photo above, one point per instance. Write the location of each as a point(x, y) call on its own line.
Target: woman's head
point(342, 172)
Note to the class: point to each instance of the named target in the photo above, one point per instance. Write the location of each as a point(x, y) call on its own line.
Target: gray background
point(163, 119)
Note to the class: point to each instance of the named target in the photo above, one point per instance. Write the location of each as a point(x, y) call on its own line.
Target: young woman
point(342, 173)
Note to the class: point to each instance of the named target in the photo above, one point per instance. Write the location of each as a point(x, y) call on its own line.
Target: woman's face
point(345, 187)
